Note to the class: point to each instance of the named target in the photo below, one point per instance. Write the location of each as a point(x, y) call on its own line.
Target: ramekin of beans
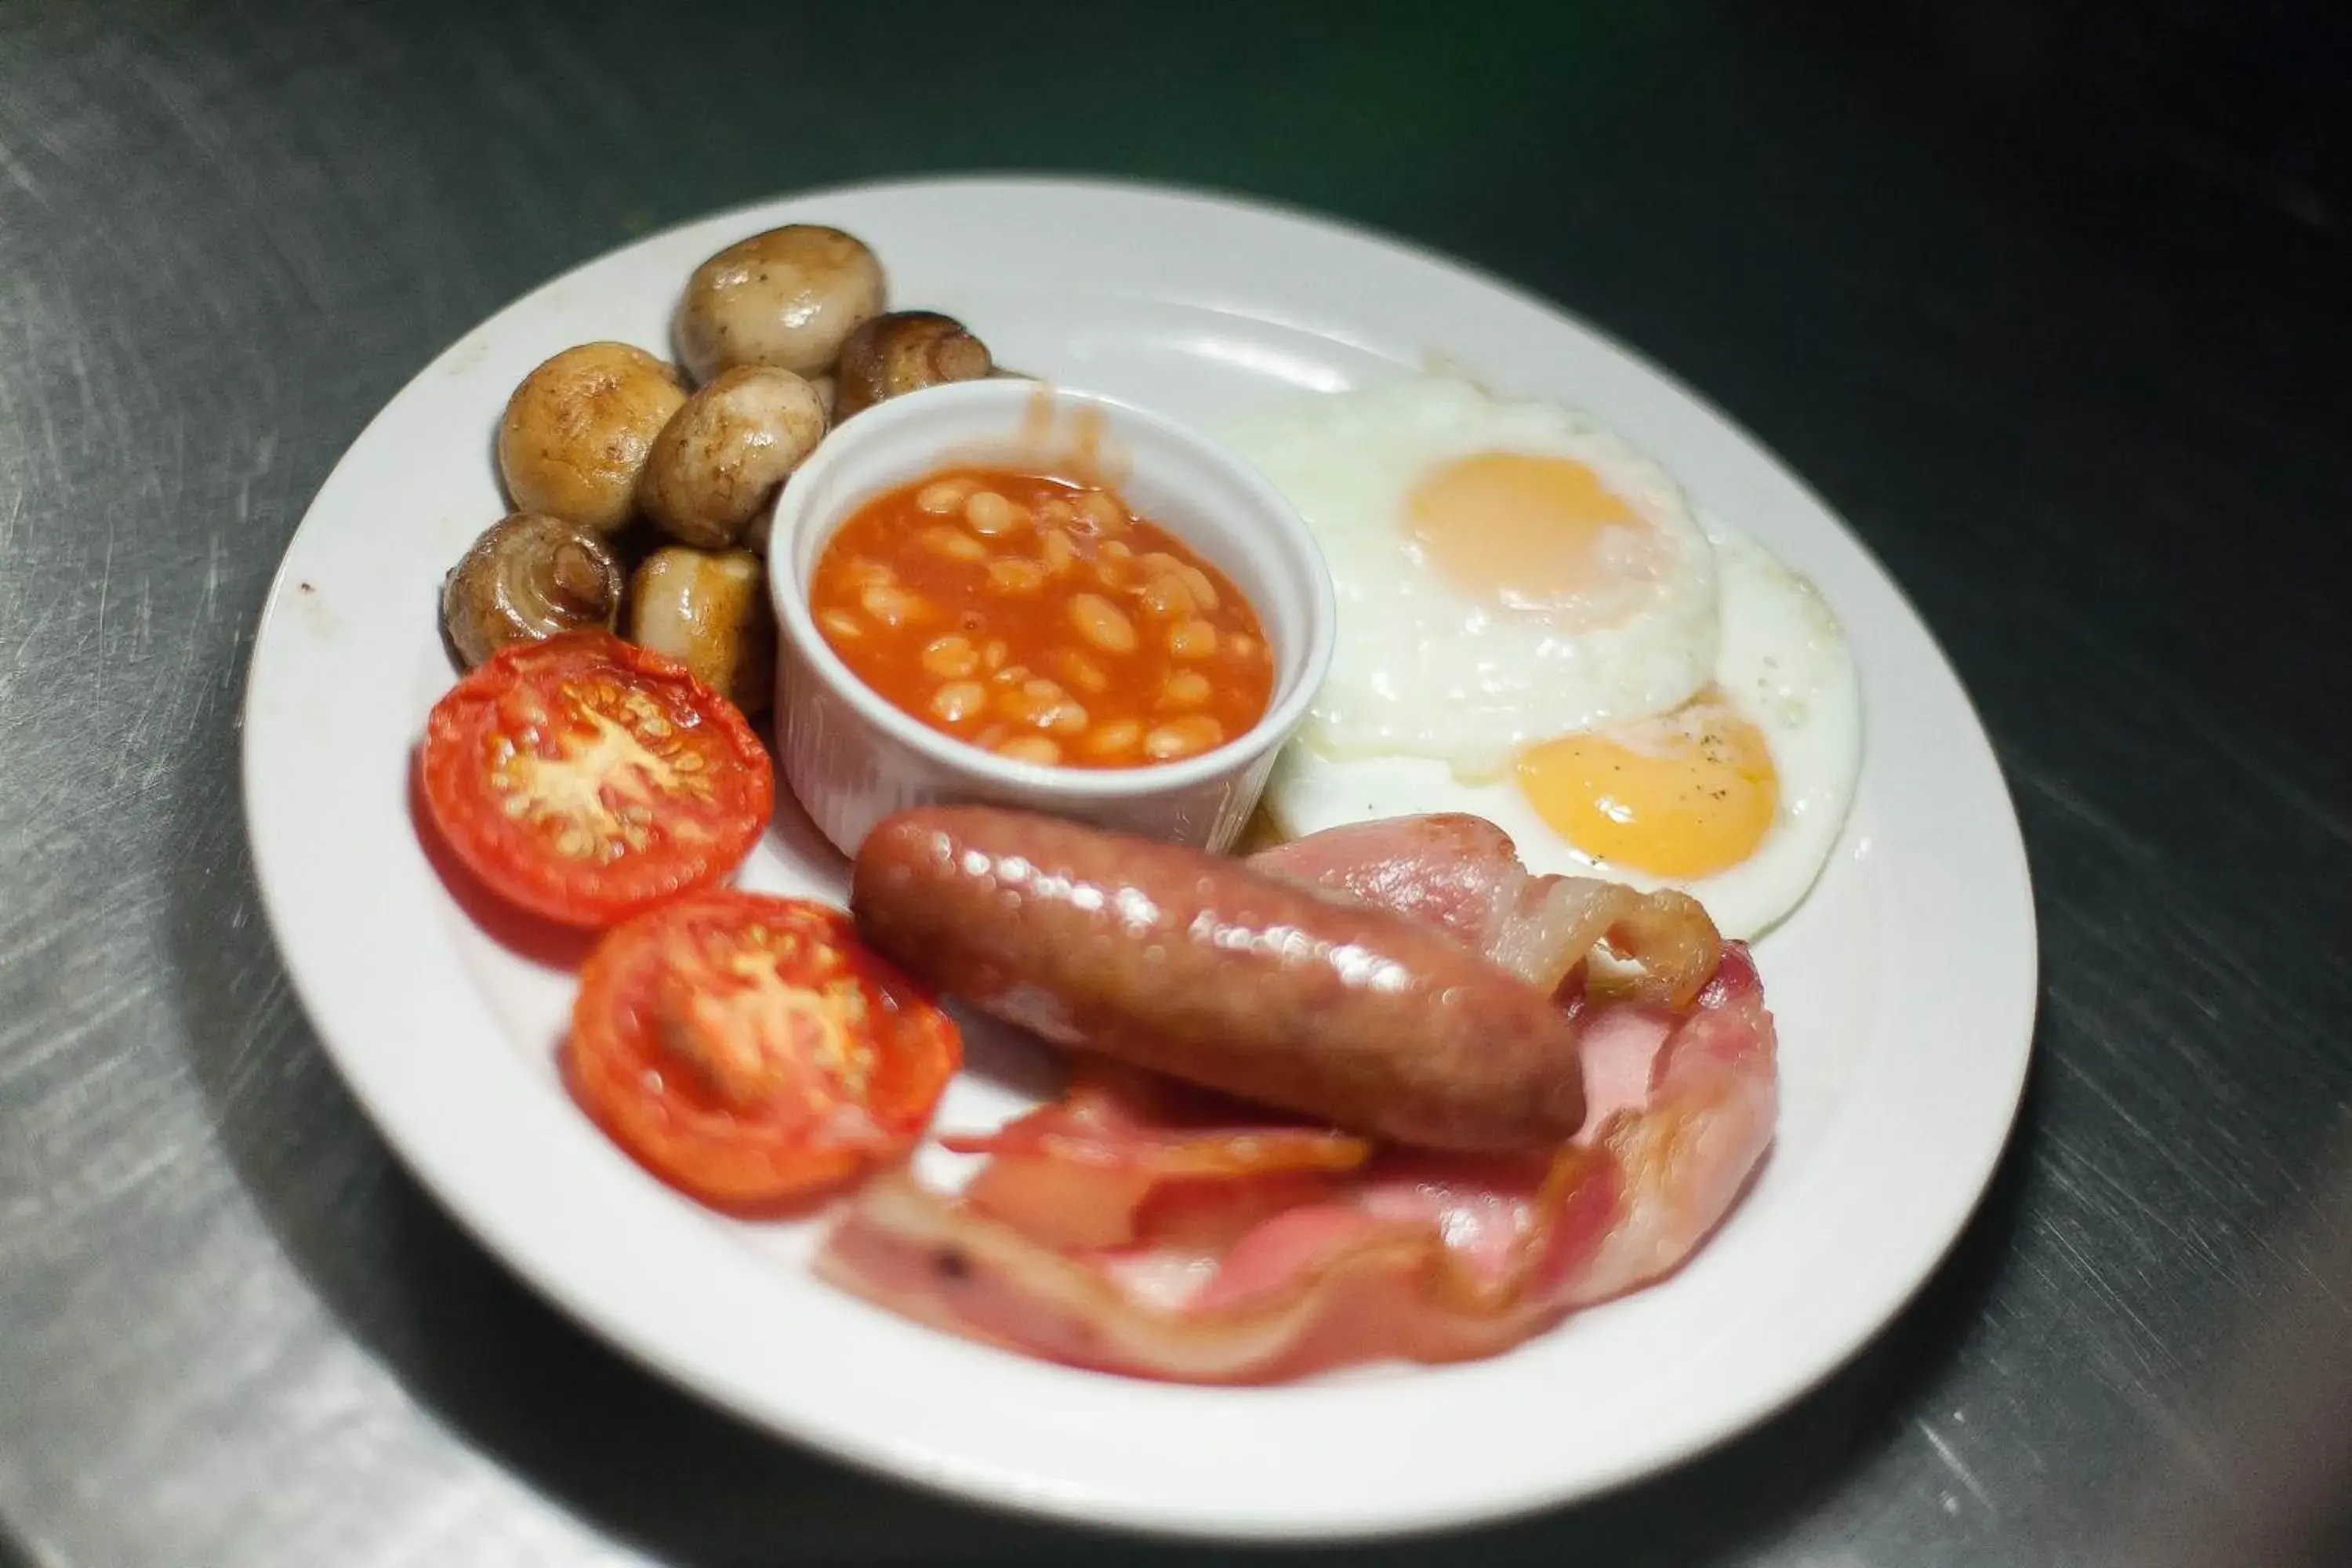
point(1006, 592)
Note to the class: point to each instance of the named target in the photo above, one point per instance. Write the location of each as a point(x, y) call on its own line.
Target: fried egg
point(1506, 571)
point(1730, 781)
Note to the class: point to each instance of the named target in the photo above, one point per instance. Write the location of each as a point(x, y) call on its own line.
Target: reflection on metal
point(2261, 1469)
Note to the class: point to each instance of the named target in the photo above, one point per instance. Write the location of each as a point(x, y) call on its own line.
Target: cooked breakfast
point(1463, 1047)
point(751, 1051)
point(1200, 967)
point(708, 610)
point(788, 297)
point(905, 351)
point(1037, 618)
point(1143, 1225)
point(1540, 627)
point(528, 577)
point(586, 780)
point(577, 431)
point(715, 465)
point(606, 443)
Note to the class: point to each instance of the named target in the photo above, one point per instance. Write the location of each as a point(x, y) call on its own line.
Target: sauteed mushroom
point(787, 298)
point(529, 576)
point(902, 352)
point(710, 612)
point(717, 463)
point(576, 432)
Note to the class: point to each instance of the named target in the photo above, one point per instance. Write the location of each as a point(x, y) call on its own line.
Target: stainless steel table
point(2090, 409)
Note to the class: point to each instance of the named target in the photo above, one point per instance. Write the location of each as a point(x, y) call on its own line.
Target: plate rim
point(459, 1198)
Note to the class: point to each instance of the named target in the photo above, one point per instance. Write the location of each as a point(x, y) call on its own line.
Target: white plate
point(1904, 988)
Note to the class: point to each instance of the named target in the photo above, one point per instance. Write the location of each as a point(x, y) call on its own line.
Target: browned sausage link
point(1197, 967)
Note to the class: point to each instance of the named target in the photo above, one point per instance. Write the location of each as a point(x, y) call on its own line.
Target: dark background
point(2050, 301)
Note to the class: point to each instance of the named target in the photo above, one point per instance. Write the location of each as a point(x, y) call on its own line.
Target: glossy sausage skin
point(1197, 967)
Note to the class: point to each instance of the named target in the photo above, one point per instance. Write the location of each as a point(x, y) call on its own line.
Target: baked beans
point(1041, 619)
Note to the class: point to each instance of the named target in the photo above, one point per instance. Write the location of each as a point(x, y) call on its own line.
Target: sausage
point(1201, 968)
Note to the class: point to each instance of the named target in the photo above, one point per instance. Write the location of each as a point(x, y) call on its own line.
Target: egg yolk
point(1532, 532)
point(1686, 794)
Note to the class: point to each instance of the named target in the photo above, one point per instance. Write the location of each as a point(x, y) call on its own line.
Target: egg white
point(1423, 670)
point(1782, 662)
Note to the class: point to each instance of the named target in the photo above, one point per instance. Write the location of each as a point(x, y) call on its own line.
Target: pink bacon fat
point(1140, 1226)
point(1462, 874)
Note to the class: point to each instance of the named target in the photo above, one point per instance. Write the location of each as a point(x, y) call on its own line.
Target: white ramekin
point(852, 759)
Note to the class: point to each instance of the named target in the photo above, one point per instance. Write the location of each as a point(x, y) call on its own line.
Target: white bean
point(1194, 639)
point(954, 542)
point(958, 700)
point(1102, 623)
point(1040, 749)
point(991, 514)
point(1187, 689)
point(951, 658)
point(1182, 738)
point(944, 498)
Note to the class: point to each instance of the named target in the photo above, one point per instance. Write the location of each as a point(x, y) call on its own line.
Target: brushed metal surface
point(2094, 423)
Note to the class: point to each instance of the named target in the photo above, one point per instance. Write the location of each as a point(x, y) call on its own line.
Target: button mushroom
point(902, 352)
point(785, 298)
point(710, 612)
point(718, 462)
point(576, 432)
point(529, 576)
